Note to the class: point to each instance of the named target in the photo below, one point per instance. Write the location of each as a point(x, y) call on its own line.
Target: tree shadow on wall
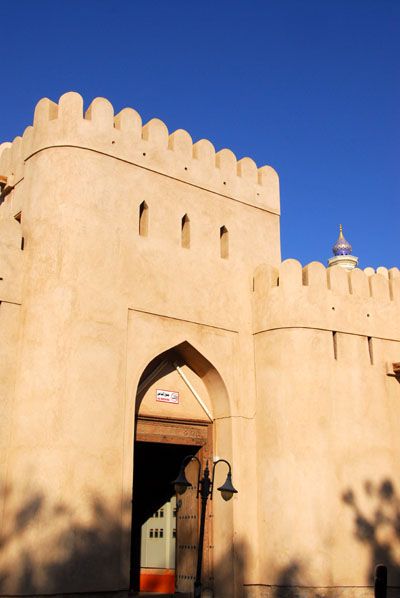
point(287, 581)
point(78, 555)
point(225, 582)
point(294, 581)
point(379, 529)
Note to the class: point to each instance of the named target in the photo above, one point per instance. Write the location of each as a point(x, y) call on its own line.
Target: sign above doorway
point(167, 396)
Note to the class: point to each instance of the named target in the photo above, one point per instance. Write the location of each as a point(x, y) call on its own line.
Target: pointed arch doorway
point(173, 420)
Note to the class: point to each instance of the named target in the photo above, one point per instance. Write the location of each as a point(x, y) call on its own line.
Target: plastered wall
point(327, 421)
point(98, 301)
point(295, 364)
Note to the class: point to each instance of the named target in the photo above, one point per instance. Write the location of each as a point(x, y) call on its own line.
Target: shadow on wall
point(225, 583)
point(82, 553)
point(293, 582)
point(379, 529)
point(77, 555)
point(287, 581)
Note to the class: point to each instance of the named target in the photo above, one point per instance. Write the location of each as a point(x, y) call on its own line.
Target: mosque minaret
point(342, 253)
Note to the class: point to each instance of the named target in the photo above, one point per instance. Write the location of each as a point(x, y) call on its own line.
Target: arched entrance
point(174, 418)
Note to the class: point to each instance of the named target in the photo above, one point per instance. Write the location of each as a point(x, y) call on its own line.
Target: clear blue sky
point(311, 87)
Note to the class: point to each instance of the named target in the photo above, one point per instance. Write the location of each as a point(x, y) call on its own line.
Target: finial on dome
point(341, 247)
point(342, 253)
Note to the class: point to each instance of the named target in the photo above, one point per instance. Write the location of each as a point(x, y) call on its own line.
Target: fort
point(145, 315)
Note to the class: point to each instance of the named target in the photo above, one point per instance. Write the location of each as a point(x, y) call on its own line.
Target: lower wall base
point(253, 591)
point(301, 592)
point(122, 594)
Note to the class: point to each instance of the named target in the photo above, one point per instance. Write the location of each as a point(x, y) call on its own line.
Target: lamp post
point(205, 487)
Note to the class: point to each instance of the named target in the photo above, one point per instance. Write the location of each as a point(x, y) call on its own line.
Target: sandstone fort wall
point(119, 242)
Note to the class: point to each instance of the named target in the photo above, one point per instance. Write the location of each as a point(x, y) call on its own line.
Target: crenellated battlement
point(361, 302)
point(123, 136)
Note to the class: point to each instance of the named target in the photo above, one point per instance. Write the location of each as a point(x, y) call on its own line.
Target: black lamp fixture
point(227, 489)
point(205, 487)
point(181, 483)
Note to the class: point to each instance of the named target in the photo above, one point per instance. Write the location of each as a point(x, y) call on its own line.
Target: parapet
point(361, 302)
point(150, 146)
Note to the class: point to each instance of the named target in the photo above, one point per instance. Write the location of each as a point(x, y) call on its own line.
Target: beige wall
point(89, 303)
point(98, 302)
point(328, 424)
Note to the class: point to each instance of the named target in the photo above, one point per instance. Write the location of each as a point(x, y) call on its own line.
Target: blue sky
point(311, 87)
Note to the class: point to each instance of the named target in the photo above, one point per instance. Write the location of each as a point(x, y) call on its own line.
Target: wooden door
point(188, 520)
point(187, 526)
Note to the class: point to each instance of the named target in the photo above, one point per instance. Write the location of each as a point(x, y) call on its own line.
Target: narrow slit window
point(185, 232)
point(18, 218)
point(143, 219)
point(224, 242)
point(370, 350)
point(335, 347)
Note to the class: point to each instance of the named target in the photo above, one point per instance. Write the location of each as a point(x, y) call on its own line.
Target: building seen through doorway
point(154, 532)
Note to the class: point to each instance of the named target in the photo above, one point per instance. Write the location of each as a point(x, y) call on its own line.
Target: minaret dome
point(342, 253)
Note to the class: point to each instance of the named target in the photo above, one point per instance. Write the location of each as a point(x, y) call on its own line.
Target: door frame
point(173, 431)
point(197, 433)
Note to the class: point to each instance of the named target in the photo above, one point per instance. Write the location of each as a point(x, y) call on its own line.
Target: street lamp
point(205, 487)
